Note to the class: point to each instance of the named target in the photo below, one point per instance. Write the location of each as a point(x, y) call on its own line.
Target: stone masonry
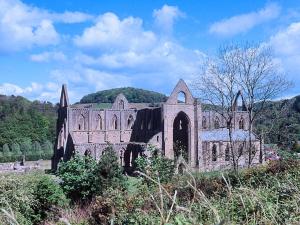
point(178, 126)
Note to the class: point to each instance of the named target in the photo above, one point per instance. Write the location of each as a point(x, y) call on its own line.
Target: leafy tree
point(79, 179)
point(7, 153)
point(26, 146)
point(47, 194)
point(16, 152)
point(109, 169)
point(47, 149)
point(37, 150)
point(156, 165)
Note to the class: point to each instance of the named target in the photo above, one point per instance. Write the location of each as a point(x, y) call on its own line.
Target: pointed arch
point(217, 122)
point(130, 122)
point(114, 122)
point(181, 97)
point(242, 123)
point(204, 122)
point(214, 153)
point(121, 104)
point(82, 122)
point(99, 122)
point(181, 136)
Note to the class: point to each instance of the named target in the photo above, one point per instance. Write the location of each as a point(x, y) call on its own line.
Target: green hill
point(134, 95)
point(26, 126)
point(280, 123)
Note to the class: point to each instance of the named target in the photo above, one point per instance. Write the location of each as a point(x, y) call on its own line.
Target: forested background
point(135, 95)
point(28, 127)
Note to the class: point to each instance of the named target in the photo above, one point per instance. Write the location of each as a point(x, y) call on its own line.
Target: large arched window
point(181, 97)
point(121, 104)
point(81, 123)
point(99, 122)
point(217, 123)
point(130, 121)
point(227, 153)
point(242, 124)
point(214, 153)
point(204, 122)
point(114, 122)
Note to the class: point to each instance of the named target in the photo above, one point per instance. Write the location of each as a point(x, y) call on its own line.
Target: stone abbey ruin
point(179, 127)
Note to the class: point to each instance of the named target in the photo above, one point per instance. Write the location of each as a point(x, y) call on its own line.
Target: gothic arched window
point(81, 123)
point(99, 122)
point(217, 123)
point(242, 124)
point(130, 121)
point(114, 122)
point(121, 104)
point(227, 153)
point(214, 153)
point(204, 122)
point(181, 97)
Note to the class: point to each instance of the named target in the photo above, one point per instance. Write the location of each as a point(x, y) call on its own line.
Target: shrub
point(79, 177)
point(29, 197)
point(49, 196)
point(109, 169)
point(156, 165)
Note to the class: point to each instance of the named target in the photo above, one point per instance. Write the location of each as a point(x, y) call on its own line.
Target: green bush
point(79, 178)
point(109, 170)
point(29, 197)
point(49, 197)
point(156, 165)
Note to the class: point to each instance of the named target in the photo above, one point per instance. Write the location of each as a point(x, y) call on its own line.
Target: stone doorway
point(181, 136)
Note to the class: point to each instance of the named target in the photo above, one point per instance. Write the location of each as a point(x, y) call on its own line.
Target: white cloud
point(116, 52)
point(244, 22)
point(124, 45)
point(48, 56)
point(110, 33)
point(84, 80)
point(71, 17)
point(12, 89)
point(23, 26)
point(36, 91)
point(166, 16)
point(287, 41)
point(286, 46)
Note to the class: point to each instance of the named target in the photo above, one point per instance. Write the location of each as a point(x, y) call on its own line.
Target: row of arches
point(214, 152)
point(217, 123)
point(82, 122)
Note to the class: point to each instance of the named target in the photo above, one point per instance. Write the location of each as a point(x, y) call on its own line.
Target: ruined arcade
point(178, 126)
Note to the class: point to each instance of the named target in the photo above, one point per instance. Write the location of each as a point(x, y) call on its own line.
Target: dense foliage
point(132, 94)
point(268, 194)
point(29, 199)
point(82, 177)
point(280, 123)
point(155, 165)
point(79, 180)
point(26, 128)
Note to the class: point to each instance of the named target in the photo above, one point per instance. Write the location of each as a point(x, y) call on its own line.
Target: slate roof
point(222, 135)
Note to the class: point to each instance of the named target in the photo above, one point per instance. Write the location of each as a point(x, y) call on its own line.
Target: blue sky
point(93, 45)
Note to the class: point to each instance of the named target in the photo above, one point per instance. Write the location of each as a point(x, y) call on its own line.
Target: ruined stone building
point(178, 126)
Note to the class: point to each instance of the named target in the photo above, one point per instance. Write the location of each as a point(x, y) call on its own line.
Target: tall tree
point(260, 79)
point(6, 152)
point(218, 87)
